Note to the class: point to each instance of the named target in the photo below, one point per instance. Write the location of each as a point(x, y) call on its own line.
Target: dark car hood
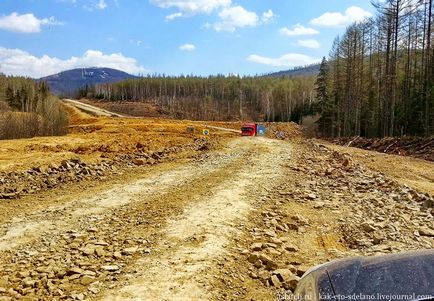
point(407, 276)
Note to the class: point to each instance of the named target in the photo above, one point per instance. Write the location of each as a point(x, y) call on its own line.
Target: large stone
point(290, 247)
point(284, 275)
point(292, 226)
point(88, 250)
point(367, 227)
point(256, 246)
point(99, 251)
point(130, 251)
point(66, 164)
point(301, 270)
point(86, 280)
point(117, 255)
point(139, 162)
point(110, 268)
point(274, 281)
point(269, 263)
point(23, 274)
point(253, 257)
point(291, 282)
point(73, 271)
point(311, 196)
point(88, 273)
point(424, 231)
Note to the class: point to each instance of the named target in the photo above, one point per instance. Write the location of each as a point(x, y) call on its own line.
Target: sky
point(172, 37)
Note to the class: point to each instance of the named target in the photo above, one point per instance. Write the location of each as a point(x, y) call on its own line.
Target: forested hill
point(379, 78)
point(310, 70)
point(217, 97)
point(67, 83)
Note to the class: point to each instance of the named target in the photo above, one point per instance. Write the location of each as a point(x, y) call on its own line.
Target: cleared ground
point(234, 219)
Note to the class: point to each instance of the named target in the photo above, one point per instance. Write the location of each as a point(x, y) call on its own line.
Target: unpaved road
point(91, 109)
point(207, 198)
point(238, 222)
point(193, 242)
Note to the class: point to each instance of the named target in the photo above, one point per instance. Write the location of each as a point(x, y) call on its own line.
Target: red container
point(249, 129)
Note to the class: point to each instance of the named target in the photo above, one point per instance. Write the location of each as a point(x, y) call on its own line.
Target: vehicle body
point(406, 276)
point(253, 129)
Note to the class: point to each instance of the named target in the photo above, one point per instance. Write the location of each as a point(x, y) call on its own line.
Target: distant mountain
point(310, 70)
point(67, 83)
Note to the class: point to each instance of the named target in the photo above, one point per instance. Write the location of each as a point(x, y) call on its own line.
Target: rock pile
point(419, 147)
point(75, 264)
point(15, 184)
point(372, 215)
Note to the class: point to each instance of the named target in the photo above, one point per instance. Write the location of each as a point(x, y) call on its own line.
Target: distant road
point(223, 129)
point(102, 112)
point(91, 109)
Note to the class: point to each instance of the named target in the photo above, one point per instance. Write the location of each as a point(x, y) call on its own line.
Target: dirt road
point(206, 198)
point(238, 219)
point(91, 109)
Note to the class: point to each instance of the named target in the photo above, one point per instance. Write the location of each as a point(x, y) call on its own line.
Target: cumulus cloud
point(310, 43)
point(298, 30)
point(286, 60)
point(267, 16)
point(26, 23)
point(191, 7)
point(19, 62)
point(173, 16)
point(236, 17)
point(335, 19)
point(187, 47)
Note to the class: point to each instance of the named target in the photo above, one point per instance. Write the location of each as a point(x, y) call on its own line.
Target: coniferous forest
point(27, 109)
point(378, 80)
point(218, 97)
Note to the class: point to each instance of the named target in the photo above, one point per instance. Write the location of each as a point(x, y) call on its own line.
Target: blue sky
point(202, 37)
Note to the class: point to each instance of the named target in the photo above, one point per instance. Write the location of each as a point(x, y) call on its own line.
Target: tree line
point(378, 80)
point(216, 97)
point(27, 109)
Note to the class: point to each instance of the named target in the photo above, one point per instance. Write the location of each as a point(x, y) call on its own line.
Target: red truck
point(252, 129)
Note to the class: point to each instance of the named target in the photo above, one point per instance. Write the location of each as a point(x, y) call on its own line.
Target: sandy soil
point(409, 171)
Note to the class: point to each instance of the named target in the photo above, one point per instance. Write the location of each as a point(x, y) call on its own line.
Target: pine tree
point(324, 104)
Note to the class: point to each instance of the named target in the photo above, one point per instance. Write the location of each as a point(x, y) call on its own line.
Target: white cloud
point(335, 19)
point(298, 30)
point(136, 42)
point(267, 16)
point(236, 17)
point(191, 7)
point(26, 23)
point(96, 4)
point(310, 43)
point(19, 62)
point(187, 47)
point(101, 4)
point(286, 60)
point(173, 16)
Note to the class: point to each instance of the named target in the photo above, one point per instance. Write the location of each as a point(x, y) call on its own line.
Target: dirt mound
point(417, 147)
point(283, 130)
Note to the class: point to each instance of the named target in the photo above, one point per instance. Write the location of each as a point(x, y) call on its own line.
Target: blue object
point(260, 130)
